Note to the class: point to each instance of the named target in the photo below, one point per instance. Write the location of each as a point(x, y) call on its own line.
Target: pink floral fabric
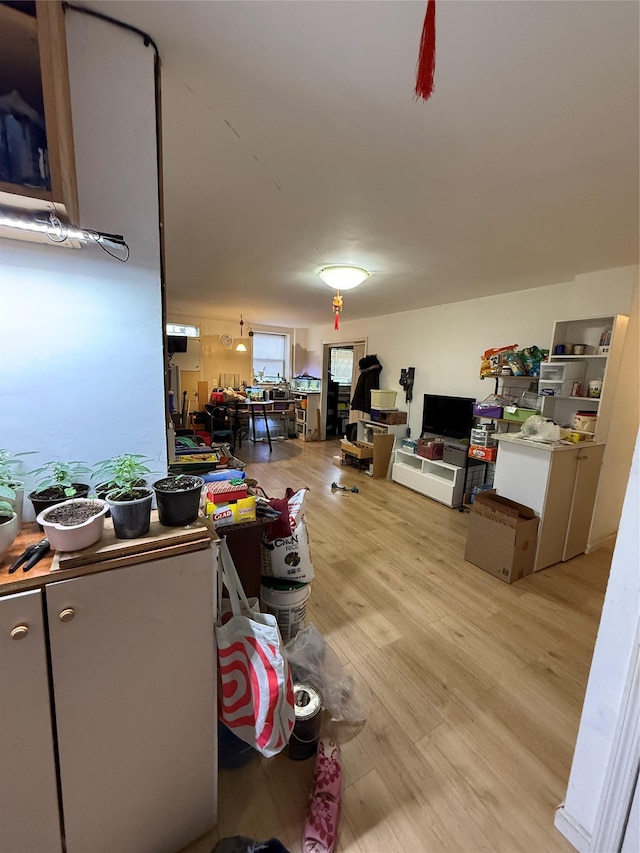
point(321, 828)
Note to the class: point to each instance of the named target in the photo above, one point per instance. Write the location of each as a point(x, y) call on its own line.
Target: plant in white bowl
point(75, 524)
point(9, 527)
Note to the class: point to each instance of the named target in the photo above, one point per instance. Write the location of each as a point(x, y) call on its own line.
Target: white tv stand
point(431, 477)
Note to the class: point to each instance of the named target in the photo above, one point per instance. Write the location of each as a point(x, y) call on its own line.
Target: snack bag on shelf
point(491, 360)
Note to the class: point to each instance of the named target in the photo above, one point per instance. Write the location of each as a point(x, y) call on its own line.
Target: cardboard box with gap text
point(502, 537)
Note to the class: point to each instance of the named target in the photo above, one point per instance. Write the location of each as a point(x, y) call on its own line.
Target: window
point(180, 329)
point(270, 357)
point(341, 367)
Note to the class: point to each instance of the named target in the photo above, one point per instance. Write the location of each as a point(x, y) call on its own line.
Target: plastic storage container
point(383, 399)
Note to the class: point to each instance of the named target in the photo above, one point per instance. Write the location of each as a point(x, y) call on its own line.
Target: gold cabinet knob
point(67, 614)
point(19, 632)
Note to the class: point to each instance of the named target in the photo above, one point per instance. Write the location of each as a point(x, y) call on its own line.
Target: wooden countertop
point(104, 553)
point(548, 446)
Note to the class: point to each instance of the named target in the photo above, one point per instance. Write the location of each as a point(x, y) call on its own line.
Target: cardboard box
point(221, 514)
point(390, 417)
point(487, 454)
point(246, 509)
point(502, 537)
point(359, 449)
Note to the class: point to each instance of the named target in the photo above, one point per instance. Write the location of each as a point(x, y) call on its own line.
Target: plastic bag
point(313, 661)
point(540, 428)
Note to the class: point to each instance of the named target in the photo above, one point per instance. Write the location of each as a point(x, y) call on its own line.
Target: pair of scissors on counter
point(30, 556)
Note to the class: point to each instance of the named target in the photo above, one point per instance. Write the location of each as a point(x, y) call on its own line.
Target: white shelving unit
point(430, 477)
point(368, 428)
point(599, 362)
point(307, 404)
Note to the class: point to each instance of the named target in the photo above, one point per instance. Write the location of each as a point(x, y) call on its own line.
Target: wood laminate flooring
point(474, 688)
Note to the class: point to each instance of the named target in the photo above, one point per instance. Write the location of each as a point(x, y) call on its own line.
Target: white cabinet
point(307, 405)
point(133, 691)
point(559, 483)
point(600, 360)
point(29, 817)
point(431, 477)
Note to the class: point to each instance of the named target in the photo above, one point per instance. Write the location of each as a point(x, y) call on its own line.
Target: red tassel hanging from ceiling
point(427, 56)
point(337, 308)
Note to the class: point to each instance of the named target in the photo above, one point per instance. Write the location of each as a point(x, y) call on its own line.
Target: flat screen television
point(177, 343)
point(448, 416)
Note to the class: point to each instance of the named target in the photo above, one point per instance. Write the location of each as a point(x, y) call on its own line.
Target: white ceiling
point(292, 139)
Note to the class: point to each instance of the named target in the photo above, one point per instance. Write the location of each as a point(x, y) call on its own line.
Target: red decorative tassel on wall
point(427, 57)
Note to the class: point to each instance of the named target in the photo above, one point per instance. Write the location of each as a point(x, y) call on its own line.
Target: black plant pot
point(103, 489)
point(55, 495)
point(131, 519)
point(177, 508)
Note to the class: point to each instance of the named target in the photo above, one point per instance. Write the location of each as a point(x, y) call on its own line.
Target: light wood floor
point(474, 687)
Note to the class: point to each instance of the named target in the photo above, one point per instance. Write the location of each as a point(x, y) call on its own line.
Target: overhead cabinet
point(37, 164)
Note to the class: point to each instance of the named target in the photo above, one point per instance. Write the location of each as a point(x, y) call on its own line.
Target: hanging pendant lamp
point(240, 346)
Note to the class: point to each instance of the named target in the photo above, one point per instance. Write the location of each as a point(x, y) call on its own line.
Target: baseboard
point(574, 833)
point(600, 543)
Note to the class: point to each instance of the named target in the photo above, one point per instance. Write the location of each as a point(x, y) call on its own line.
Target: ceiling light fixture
point(240, 346)
point(341, 277)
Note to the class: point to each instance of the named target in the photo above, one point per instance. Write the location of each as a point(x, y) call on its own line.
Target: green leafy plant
point(8, 475)
point(61, 475)
point(6, 510)
point(122, 474)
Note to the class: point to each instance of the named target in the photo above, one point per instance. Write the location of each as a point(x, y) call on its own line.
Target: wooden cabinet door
point(584, 498)
point(29, 816)
point(134, 687)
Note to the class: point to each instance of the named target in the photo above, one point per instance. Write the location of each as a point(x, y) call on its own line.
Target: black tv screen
point(177, 343)
point(448, 416)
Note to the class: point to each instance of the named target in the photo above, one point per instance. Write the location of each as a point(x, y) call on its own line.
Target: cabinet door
point(134, 689)
point(584, 497)
point(29, 818)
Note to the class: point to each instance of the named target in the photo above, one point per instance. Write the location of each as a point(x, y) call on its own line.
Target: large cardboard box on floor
point(502, 537)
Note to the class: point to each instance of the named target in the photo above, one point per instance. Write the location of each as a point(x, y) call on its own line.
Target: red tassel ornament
point(426, 68)
point(337, 308)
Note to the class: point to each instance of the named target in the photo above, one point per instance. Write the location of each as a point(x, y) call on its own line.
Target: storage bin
point(391, 417)
point(383, 399)
point(487, 410)
point(561, 371)
point(430, 448)
point(513, 413)
point(483, 437)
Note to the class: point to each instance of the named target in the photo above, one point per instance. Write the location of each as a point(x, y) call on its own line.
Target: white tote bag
point(255, 696)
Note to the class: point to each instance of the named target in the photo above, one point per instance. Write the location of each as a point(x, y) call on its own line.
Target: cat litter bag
point(289, 556)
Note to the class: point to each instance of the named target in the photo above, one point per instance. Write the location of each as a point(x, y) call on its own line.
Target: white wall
point(614, 653)
point(81, 370)
point(621, 435)
point(444, 343)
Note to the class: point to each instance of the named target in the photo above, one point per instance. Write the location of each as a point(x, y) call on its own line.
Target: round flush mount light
point(343, 276)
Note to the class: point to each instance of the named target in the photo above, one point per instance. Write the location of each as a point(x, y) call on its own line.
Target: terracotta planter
point(178, 507)
point(131, 519)
point(8, 531)
point(75, 537)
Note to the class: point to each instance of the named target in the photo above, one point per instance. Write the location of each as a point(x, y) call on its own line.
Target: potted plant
point(178, 498)
point(57, 482)
point(75, 524)
point(129, 498)
point(11, 486)
point(9, 527)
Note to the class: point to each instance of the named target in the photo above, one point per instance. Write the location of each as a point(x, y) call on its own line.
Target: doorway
point(340, 372)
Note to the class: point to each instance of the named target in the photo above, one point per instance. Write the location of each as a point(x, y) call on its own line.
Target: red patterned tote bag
point(255, 695)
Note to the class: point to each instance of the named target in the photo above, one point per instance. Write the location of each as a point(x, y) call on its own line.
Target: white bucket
point(287, 601)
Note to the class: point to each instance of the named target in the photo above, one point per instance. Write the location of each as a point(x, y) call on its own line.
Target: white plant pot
point(64, 538)
point(8, 532)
